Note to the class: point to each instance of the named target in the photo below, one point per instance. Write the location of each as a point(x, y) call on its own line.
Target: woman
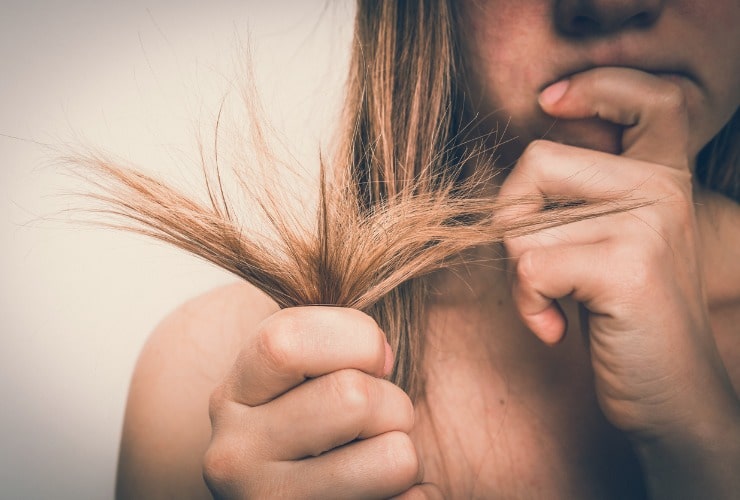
point(598, 360)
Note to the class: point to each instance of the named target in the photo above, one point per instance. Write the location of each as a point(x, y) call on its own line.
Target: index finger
point(299, 343)
point(652, 108)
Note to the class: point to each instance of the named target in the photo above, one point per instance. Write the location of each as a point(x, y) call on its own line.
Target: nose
point(584, 18)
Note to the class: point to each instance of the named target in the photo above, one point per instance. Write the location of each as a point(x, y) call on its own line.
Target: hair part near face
point(398, 203)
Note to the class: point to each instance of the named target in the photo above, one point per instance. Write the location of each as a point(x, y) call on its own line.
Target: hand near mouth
point(664, 141)
point(637, 274)
point(651, 108)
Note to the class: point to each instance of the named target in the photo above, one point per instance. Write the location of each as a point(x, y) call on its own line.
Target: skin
point(692, 43)
point(595, 366)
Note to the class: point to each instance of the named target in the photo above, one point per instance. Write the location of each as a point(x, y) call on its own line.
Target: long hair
point(404, 138)
point(396, 203)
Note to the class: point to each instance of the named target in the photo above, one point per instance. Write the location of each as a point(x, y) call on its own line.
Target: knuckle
point(415, 493)
point(539, 147)
point(518, 246)
point(371, 337)
point(276, 344)
point(526, 269)
point(671, 98)
point(537, 154)
point(421, 492)
point(352, 389)
point(219, 469)
point(365, 321)
point(513, 246)
point(231, 470)
point(407, 412)
point(401, 457)
point(216, 403)
point(403, 408)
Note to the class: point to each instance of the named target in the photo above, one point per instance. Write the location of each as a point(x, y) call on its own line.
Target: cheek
point(505, 62)
point(714, 23)
point(718, 16)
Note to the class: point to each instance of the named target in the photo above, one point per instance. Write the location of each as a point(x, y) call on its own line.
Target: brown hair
point(398, 203)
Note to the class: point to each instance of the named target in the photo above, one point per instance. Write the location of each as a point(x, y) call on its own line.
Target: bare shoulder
point(209, 329)
point(166, 427)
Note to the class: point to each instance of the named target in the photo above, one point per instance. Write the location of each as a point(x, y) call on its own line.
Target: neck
point(479, 273)
point(494, 390)
point(718, 219)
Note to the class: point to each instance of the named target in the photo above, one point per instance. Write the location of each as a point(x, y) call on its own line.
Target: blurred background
point(136, 79)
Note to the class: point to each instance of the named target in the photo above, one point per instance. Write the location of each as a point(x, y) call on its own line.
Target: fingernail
point(388, 366)
point(554, 92)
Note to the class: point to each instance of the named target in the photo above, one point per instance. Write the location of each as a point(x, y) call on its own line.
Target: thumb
point(652, 108)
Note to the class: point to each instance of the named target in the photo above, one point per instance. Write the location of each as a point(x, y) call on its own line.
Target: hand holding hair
point(658, 375)
point(306, 413)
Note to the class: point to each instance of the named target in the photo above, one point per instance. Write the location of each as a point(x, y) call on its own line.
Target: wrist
point(698, 460)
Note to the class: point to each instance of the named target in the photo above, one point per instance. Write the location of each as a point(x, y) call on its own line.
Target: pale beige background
point(76, 304)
